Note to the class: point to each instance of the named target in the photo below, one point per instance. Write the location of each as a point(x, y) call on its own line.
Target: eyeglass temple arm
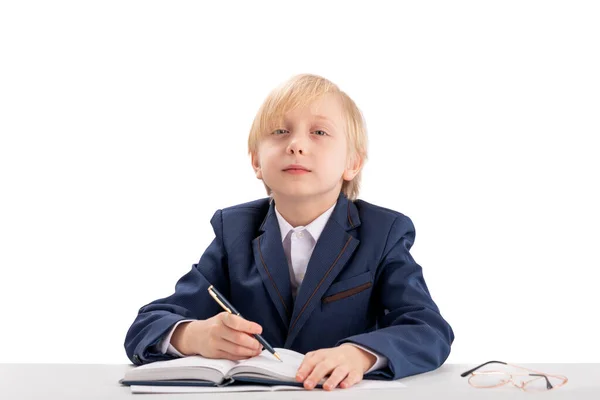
point(548, 384)
point(484, 364)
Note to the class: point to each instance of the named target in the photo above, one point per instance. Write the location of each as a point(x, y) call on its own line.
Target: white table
point(100, 381)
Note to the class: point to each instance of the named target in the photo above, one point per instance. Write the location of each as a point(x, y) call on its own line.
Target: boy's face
point(313, 138)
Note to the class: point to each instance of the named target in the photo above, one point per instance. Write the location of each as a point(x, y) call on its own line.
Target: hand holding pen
point(228, 307)
point(225, 336)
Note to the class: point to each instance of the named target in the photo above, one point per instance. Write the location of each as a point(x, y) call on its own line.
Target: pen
point(214, 293)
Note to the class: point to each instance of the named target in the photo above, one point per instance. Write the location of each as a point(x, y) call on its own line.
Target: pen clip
point(214, 296)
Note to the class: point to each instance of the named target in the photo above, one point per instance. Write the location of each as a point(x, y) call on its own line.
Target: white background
point(124, 127)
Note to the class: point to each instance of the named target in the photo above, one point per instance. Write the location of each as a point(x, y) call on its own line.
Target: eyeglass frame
point(537, 374)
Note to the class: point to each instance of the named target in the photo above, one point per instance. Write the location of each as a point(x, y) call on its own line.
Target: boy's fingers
point(240, 338)
point(240, 324)
point(336, 377)
point(235, 349)
point(227, 356)
point(319, 371)
point(352, 379)
point(306, 367)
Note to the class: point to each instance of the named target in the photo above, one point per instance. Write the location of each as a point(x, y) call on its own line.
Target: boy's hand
point(222, 336)
point(345, 363)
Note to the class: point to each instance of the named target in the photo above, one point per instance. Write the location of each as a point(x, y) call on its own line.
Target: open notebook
point(200, 371)
point(196, 374)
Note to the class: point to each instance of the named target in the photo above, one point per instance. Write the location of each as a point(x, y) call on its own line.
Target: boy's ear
point(256, 166)
point(353, 168)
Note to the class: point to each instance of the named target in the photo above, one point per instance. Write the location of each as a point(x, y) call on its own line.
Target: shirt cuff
point(381, 362)
point(165, 345)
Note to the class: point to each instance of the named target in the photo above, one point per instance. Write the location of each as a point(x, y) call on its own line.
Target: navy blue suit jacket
point(361, 286)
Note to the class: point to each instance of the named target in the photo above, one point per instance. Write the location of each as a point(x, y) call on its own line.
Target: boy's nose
point(296, 147)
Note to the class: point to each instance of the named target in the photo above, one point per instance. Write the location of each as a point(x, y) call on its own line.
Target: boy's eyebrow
point(324, 118)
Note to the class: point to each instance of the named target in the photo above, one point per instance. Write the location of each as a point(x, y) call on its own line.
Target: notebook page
point(179, 368)
point(266, 364)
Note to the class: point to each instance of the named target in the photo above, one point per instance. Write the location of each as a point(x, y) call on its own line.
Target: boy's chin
point(299, 193)
point(296, 193)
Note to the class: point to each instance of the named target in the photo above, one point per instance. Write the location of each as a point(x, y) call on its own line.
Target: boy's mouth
point(296, 171)
point(296, 168)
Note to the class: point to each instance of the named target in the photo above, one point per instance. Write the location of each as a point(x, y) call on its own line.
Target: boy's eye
point(282, 131)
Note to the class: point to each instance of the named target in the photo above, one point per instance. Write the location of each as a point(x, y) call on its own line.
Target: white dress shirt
point(298, 245)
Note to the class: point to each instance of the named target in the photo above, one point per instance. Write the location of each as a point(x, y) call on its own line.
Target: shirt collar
point(315, 228)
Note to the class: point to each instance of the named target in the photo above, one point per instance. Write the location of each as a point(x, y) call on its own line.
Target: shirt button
point(299, 234)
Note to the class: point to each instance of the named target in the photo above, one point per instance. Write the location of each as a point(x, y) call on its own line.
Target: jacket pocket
point(348, 287)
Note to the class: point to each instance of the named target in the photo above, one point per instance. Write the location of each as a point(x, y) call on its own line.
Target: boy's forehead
point(326, 107)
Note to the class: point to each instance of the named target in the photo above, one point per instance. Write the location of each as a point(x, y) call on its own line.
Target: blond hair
point(300, 91)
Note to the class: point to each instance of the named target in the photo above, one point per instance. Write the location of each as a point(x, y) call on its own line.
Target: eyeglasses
point(539, 382)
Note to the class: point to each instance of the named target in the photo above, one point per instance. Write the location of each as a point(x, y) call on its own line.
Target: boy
point(310, 268)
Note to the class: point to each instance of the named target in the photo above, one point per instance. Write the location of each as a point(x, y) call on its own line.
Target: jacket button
point(136, 358)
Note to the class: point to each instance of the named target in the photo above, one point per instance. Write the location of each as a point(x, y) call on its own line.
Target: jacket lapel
point(332, 251)
point(272, 265)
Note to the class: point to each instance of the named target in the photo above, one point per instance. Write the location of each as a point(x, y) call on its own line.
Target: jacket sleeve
point(410, 330)
point(189, 301)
